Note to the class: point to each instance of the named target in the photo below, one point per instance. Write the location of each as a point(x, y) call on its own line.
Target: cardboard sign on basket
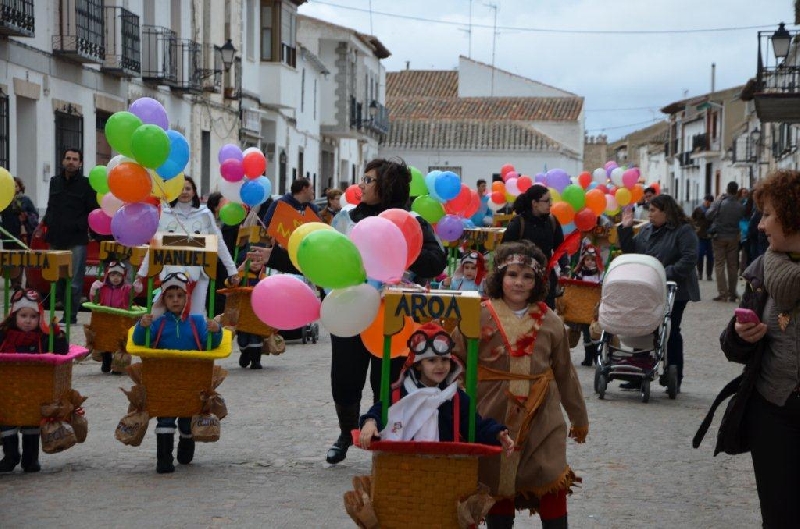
point(286, 219)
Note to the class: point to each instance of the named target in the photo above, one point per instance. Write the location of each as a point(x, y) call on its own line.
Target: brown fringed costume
point(525, 374)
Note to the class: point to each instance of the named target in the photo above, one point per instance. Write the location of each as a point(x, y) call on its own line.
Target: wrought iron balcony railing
point(79, 33)
point(777, 87)
point(16, 18)
point(123, 52)
point(379, 123)
point(189, 57)
point(159, 57)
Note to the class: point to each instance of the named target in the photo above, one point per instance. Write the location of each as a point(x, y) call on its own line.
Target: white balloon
point(616, 176)
point(493, 206)
point(110, 204)
point(116, 160)
point(230, 190)
point(350, 311)
point(600, 176)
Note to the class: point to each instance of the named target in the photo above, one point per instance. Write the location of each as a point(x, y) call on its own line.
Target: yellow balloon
point(7, 188)
point(169, 190)
point(299, 234)
point(555, 196)
point(100, 197)
point(623, 196)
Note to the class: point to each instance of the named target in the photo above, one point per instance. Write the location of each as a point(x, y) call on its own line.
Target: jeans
point(704, 251)
point(675, 343)
point(167, 425)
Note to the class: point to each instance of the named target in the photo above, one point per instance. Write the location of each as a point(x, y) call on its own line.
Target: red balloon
point(524, 183)
point(507, 168)
point(460, 202)
point(498, 197)
point(412, 231)
point(353, 195)
point(656, 186)
point(474, 204)
point(603, 188)
point(254, 164)
point(585, 219)
point(584, 179)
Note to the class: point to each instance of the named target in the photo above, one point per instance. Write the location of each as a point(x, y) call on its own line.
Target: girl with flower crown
point(525, 376)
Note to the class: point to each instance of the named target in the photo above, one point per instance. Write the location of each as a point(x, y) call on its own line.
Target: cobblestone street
point(268, 469)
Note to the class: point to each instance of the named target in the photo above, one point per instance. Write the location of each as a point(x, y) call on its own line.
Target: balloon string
point(22, 244)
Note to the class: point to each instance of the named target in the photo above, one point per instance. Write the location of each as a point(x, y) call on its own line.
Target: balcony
point(159, 58)
point(16, 18)
point(123, 51)
point(80, 30)
point(211, 75)
point(776, 91)
point(279, 85)
point(189, 65)
point(686, 160)
point(377, 118)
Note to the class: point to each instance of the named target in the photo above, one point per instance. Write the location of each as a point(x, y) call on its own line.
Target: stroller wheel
point(598, 372)
point(304, 335)
point(602, 384)
point(672, 382)
point(645, 391)
point(314, 332)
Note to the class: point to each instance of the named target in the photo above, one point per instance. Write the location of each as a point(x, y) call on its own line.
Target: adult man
point(67, 220)
point(300, 198)
point(724, 215)
point(701, 225)
point(482, 217)
point(643, 210)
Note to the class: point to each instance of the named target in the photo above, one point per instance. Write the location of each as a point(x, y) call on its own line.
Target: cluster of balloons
point(148, 169)
point(513, 185)
point(243, 182)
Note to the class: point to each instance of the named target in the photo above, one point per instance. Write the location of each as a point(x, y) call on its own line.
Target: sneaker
point(73, 321)
point(735, 299)
point(721, 298)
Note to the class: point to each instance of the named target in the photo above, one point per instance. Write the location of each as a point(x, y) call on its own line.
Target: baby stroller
point(635, 311)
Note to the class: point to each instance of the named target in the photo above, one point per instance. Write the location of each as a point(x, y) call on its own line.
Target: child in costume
point(114, 293)
point(175, 328)
point(469, 274)
point(250, 344)
point(525, 376)
point(589, 268)
point(25, 330)
point(427, 403)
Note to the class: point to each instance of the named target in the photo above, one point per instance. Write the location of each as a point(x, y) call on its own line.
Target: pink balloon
point(285, 302)
point(99, 222)
point(630, 178)
point(509, 175)
point(110, 204)
point(512, 187)
point(231, 170)
point(383, 248)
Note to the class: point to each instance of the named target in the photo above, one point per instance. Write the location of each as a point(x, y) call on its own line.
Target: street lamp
point(781, 40)
point(228, 52)
point(755, 141)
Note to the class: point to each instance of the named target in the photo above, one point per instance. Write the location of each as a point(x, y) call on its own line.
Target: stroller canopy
point(634, 295)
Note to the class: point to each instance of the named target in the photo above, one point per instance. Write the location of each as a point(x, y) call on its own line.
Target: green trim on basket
point(134, 312)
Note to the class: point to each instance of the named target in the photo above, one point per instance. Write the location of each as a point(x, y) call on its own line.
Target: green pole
point(52, 337)
point(211, 300)
point(68, 305)
point(386, 372)
point(472, 384)
point(149, 309)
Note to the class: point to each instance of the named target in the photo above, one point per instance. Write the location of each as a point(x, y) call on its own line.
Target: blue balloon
point(252, 193)
point(568, 228)
point(264, 182)
point(430, 183)
point(178, 156)
point(448, 185)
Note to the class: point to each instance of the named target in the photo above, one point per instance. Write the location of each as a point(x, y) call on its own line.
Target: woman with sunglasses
point(385, 185)
point(525, 376)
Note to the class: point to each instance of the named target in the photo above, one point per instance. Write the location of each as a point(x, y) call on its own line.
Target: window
point(302, 90)
point(288, 47)
point(278, 32)
point(103, 149)
point(5, 124)
point(266, 32)
point(69, 132)
point(251, 16)
point(453, 168)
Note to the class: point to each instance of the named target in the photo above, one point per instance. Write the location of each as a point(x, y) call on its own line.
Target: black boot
point(30, 452)
point(244, 358)
point(557, 523)
point(499, 521)
point(185, 450)
point(10, 453)
point(255, 358)
point(588, 355)
point(164, 444)
point(348, 421)
point(105, 367)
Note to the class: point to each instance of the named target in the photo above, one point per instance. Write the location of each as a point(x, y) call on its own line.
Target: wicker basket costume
point(580, 300)
point(239, 312)
point(30, 380)
point(111, 325)
point(173, 379)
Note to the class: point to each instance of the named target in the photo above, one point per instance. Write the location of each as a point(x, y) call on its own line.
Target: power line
point(620, 109)
point(603, 129)
point(550, 30)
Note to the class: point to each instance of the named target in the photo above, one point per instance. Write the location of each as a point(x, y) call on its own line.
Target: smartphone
point(746, 316)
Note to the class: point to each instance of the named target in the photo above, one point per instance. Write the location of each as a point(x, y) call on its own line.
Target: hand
point(257, 252)
point(750, 332)
point(137, 284)
point(368, 431)
point(233, 280)
point(627, 217)
point(146, 321)
point(213, 325)
point(446, 282)
point(506, 441)
point(579, 434)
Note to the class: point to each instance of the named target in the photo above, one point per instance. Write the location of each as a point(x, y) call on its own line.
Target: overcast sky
point(613, 71)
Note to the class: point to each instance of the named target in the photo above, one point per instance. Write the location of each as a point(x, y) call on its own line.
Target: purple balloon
point(558, 179)
point(450, 228)
point(134, 224)
point(232, 170)
point(540, 178)
point(150, 112)
point(230, 151)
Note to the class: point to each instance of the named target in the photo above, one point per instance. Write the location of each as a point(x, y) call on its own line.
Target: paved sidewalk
point(268, 469)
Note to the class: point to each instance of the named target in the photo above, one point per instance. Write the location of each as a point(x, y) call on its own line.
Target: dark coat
point(68, 207)
point(543, 231)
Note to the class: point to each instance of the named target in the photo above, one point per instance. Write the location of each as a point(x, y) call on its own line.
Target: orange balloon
point(657, 187)
point(596, 201)
point(637, 193)
point(373, 336)
point(129, 182)
point(563, 212)
point(499, 187)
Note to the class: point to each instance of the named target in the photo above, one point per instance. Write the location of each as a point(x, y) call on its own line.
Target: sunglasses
point(180, 276)
point(368, 179)
point(471, 255)
point(30, 295)
point(112, 264)
point(440, 343)
point(547, 201)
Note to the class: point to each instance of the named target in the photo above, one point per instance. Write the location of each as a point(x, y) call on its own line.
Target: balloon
point(512, 186)
point(230, 190)
point(150, 146)
point(411, 230)
point(232, 213)
point(341, 221)
point(610, 166)
point(603, 188)
point(498, 187)
point(616, 176)
point(231, 170)
point(98, 179)
point(563, 212)
point(418, 187)
point(264, 182)
point(130, 182)
point(600, 176)
point(596, 201)
point(460, 202)
point(630, 177)
point(557, 179)
point(540, 178)
point(353, 194)
point(254, 164)
point(230, 151)
point(349, 311)
point(555, 196)
point(496, 201)
point(330, 260)
point(284, 302)
point(178, 156)
point(430, 183)
point(252, 192)
point(623, 196)
point(99, 222)
point(450, 228)
point(134, 224)
point(585, 219)
point(116, 160)
point(575, 196)
point(584, 179)
point(657, 187)
point(506, 169)
point(612, 208)
point(150, 111)
point(297, 237)
point(169, 190)
point(474, 204)
point(524, 183)
point(7, 188)
point(509, 175)
point(110, 204)
point(637, 193)
point(568, 228)
point(373, 336)
point(119, 131)
point(428, 208)
point(447, 185)
point(383, 248)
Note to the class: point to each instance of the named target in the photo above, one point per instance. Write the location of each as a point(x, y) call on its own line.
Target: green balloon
point(428, 208)
point(575, 196)
point(150, 145)
point(418, 186)
point(98, 179)
point(232, 213)
point(119, 131)
point(330, 260)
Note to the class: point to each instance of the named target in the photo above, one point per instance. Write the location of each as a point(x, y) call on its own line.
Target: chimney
point(408, 65)
point(713, 72)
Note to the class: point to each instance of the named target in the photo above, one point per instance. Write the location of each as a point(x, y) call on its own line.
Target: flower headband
point(522, 260)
